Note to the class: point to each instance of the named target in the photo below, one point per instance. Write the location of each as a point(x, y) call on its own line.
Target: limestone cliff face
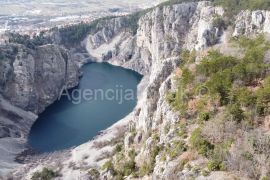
point(161, 34)
point(36, 77)
point(154, 51)
point(252, 22)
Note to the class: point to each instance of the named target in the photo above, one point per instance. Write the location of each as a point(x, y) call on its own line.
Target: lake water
point(103, 97)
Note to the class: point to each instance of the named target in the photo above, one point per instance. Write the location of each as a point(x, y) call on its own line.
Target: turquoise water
point(69, 122)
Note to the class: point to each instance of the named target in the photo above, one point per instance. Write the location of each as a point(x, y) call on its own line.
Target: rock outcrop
point(162, 33)
point(38, 76)
point(252, 22)
point(154, 51)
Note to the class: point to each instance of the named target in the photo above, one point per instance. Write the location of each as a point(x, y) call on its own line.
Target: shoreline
point(29, 155)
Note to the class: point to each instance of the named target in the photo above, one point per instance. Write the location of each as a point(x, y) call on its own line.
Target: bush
point(215, 62)
point(8, 52)
point(176, 149)
point(108, 166)
point(204, 116)
point(148, 166)
point(118, 148)
point(187, 57)
point(187, 78)
point(237, 113)
point(263, 98)
point(215, 165)
point(129, 167)
point(145, 169)
point(220, 84)
point(233, 7)
point(178, 100)
point(29, 42)
point(94, 173)
point(219, 22)
point(170, 98)
point(45, 174)
point(203, 147)
point(243, 96)
point(205, 173)
point(182, 131)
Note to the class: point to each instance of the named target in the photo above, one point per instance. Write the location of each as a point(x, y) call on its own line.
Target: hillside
point(203, 103)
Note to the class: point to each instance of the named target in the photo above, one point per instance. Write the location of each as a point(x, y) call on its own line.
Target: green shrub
point(215, 166)
point(205, 173)
point(243, 96)
point(187, 57)
point(8, 52)
point(247, 156)
point(29, 42)
point(45, 174)
point(178, 101)
point(148, 166)
point(94, 173)
point(108, 165)
point(215, 62)
point(145, 169)
point(232, 7)
point(132, 154)
point(220, 84)
point(182, 130)
point(263, 98)
point(129, 167)
point(118, 148)
point(219, 22)
point(200, 144)
point(187, 77)
point(170, 98)
point(236, 111)
point(204, 116)
point(265, 178)
point(177, 148)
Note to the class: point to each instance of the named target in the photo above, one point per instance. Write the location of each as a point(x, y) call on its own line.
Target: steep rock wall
point(154, 51)
point(36, 77)
point(252, 22)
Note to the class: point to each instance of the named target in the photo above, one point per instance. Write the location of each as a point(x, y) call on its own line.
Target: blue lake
point(105, 95)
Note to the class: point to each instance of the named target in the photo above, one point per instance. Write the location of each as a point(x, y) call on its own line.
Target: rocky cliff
point(35, 77)
point(30, 81)
point(154, 50)
point(252, 22)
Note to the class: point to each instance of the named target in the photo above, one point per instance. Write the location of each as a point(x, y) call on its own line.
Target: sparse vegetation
point(94, 173)
point(26, 40)
point(8, 52)
point(219, 22)
point(234, 86)
point(45, 174)
point(234, 6)
point(199, 143)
